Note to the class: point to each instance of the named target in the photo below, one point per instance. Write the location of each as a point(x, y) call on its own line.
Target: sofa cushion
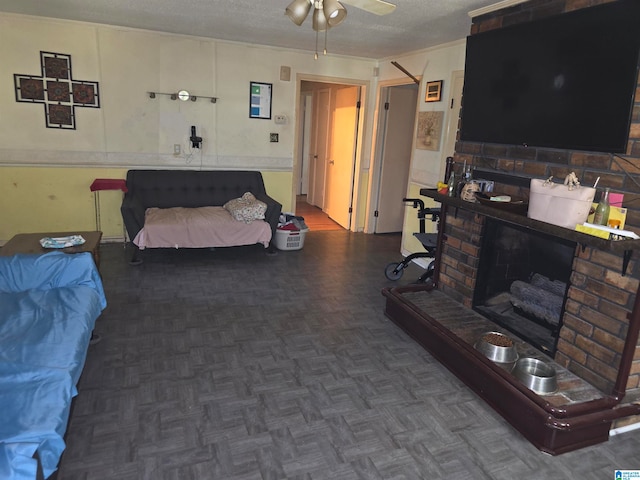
point(246, 208)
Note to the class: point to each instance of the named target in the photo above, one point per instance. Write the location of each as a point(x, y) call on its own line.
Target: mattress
point(201, 227)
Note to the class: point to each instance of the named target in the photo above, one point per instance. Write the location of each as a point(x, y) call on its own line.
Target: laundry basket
point(290, 239)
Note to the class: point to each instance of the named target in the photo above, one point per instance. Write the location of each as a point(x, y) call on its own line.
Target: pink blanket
point(202, 227)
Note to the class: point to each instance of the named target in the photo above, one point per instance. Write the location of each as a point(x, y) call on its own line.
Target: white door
point(319, 143)
point(397, 145)
point(341, 161)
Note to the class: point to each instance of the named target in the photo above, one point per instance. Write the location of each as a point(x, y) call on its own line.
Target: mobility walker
point(394, 270)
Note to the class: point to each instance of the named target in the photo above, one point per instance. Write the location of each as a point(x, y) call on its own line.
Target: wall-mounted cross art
point(57, 90)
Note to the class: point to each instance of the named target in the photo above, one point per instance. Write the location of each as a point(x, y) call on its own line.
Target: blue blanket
point(48, 308)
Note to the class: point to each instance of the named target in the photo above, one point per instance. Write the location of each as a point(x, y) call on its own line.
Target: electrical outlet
point(273, 137)
point(176, 149)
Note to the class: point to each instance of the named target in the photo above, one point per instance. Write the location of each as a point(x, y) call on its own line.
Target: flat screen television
point(566, 81)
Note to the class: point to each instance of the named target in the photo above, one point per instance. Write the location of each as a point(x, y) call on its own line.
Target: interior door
point(321, 128)
point(397, 145)
point(342, 148)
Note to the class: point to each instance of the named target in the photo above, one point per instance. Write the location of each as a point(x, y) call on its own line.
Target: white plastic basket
point(290, 239)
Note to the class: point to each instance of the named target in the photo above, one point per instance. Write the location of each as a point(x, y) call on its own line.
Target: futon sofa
point(185, 199)
point(48, 307)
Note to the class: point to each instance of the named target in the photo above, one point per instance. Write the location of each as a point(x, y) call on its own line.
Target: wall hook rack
point(182, 95)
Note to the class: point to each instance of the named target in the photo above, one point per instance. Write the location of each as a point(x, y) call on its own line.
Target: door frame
point(378, 134)
point(451, 127)
point(358, 154)
point(304, 146)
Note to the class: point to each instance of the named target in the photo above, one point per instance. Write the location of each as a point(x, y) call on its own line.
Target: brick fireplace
point(596, 356)
point(600, 298)
point(597, 341)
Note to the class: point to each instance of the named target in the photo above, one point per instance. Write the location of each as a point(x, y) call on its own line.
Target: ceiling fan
point(329, 13)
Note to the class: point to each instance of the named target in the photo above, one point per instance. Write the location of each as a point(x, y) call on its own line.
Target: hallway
point(314, 217)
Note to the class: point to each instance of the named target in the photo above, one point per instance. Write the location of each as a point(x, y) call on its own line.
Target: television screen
point(566, 81)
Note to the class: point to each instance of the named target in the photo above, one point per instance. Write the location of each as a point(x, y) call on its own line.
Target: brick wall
point(461, 255)
point(542, 163)
point(600, 298)
point(596, 318)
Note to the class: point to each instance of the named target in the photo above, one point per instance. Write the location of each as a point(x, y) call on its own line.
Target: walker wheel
point(392, 272)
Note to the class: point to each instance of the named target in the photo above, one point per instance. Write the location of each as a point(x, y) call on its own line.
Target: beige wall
point(45, 173)
point(40, 199)
point(426, 165)
point(53, 168)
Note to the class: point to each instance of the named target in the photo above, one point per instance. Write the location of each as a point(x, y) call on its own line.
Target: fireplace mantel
point(624, 247)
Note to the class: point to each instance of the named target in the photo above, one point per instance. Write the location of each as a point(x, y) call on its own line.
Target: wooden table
point(30, 243)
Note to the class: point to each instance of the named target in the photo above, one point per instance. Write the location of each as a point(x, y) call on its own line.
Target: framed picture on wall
point(260, 100)
point(429, 130)
point(434, 91)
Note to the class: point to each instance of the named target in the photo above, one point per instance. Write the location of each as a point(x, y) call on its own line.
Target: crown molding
point(494, 7)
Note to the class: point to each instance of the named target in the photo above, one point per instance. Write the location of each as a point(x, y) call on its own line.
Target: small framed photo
point(260, 100)
point(434, 91)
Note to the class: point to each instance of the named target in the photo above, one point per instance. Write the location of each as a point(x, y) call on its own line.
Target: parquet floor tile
point(230, 364)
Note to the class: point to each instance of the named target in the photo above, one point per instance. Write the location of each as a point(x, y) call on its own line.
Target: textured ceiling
point(414, 25)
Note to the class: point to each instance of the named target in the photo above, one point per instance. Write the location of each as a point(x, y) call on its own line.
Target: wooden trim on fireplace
point(551, 429)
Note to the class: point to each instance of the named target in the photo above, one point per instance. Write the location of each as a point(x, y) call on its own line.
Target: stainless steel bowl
point(536, 375)
point(497, 353)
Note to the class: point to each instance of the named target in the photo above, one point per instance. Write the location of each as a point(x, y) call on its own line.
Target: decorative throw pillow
point(246, 208)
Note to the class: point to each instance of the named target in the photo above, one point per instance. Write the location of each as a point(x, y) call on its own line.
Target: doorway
point(328, 145)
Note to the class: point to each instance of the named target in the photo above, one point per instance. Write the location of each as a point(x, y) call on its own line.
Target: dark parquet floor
point(230, 364)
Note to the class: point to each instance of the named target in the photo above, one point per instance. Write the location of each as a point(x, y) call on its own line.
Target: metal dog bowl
point(536, 375)
point(497, 347)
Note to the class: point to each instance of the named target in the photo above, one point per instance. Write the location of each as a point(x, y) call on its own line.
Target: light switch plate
point(285, 73)
point(280, 119)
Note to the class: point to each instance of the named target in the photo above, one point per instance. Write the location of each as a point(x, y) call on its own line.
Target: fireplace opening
point(522, 283)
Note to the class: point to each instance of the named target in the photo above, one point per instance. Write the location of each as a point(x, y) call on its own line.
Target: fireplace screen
point(523, 278)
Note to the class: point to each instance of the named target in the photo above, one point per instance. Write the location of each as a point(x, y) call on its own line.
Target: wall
point(427, 166)
point(131, 130)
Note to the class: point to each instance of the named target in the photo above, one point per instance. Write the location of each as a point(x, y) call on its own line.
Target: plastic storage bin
point(290, 239)
point(554, 203)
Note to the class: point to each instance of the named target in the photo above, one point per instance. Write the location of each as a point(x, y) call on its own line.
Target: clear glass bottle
point(601, 217)
point(451, 184)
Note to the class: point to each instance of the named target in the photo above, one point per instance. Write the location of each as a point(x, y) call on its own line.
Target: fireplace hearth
point(443, 318)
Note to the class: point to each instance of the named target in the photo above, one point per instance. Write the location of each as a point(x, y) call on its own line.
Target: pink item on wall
point(616, 199)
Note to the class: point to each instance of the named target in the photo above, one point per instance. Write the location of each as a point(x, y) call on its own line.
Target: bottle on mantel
point(451, 185)
point(466, 178)
point(601, 217)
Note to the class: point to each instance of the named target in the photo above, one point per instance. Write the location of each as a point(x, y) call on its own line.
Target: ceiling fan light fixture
point(320, 23)
point(334, 12)
point(298, 10)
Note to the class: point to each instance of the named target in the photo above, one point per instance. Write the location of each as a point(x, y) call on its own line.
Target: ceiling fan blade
point(379, 7)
